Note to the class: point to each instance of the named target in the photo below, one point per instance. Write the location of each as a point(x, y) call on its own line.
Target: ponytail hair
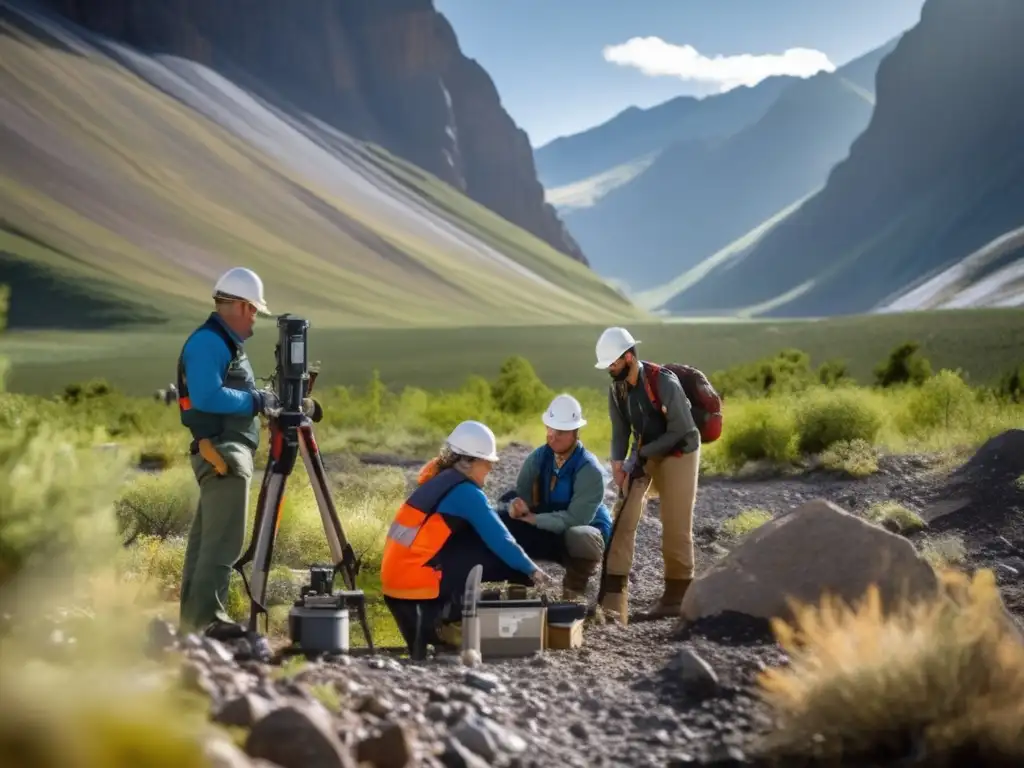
point(446, 459)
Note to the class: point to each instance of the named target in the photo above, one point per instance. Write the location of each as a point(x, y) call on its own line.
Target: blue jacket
point(468, 502)
point(576, 497)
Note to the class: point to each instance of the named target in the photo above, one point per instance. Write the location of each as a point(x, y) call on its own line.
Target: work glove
point(634, 465)
point(639, 468)
point(312, 409)
point(265, 401)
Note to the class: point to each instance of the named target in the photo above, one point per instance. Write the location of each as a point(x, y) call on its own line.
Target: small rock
point(483, 681)
point(161, 637)
point(199, 655)
point(218, 651)
point(377, 705)
point(474, 735)
point(298, 737)
point(437, 711)
point(194, 677)
point(456, 755)
point(221, 753)
point(695, 673)
point(579, 730)
point(243, 711)
point(390, 749)
point(506, 739)
point(440, 693)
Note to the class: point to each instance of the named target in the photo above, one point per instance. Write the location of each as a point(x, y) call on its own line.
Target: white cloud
point(654, 57)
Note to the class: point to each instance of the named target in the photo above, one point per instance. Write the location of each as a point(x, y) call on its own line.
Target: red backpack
point(705, 402)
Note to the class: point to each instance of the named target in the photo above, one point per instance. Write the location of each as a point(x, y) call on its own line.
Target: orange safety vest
point(416, 535)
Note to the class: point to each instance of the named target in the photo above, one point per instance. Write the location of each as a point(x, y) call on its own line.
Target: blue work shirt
point(468, 502)
point(206, 359)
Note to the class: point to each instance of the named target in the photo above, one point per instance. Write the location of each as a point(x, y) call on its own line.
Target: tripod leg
point(268, 517)
point(341, 550)
point(267, 520)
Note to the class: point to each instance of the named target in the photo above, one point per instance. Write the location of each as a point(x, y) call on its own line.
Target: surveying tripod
point(291, 434)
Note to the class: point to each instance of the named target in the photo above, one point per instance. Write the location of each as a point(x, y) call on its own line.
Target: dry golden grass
point(942, 680)
point(905, 520)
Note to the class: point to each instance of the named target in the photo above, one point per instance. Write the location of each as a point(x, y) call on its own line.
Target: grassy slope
point(985, 343)
point(106, 177)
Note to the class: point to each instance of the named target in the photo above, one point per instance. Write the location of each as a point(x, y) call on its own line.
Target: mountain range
point(894, 181)
point(352, 154)
point(348, 152)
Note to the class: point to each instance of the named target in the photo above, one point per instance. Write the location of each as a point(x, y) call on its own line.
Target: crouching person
point(557, 510)
point(444, 529)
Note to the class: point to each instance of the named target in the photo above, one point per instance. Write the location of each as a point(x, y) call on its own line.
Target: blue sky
point(562, 66)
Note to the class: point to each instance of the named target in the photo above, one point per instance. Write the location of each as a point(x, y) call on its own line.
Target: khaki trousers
point(675, 477)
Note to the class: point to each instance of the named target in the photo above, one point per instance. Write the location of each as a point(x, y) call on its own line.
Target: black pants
point(460, 554)
point(536, 542)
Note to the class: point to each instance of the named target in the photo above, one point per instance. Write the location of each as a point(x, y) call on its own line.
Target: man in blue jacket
point(220, 404)
point(556, 511)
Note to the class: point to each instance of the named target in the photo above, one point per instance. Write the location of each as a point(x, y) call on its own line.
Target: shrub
point(947, 550)
point(905, 365)
point(155, 565)
point(787, 371)
point(856, 458)
point(944, 678)
point(55, 505)
point(52, 717)
point(1011, 384)
point(944, 401)
point(518, 389)
point(92, 389)
point(831, 373)
point(761, 430)
point(825, 417)
point(158, 505)
point(745, 522)
point(891, 514)
point(366, 503)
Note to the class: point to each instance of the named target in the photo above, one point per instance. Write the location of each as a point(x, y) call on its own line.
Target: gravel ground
point(644, 695)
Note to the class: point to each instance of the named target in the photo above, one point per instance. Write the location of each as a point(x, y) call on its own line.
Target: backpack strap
point(651, 373)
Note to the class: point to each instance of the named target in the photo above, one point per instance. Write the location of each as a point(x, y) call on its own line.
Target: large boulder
point(816, 548)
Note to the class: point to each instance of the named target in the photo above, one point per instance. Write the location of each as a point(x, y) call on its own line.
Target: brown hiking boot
point(671, 602)
point(615, 603)
point(577, 574)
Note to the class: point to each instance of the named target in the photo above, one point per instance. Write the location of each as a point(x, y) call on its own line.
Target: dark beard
point(621, 375)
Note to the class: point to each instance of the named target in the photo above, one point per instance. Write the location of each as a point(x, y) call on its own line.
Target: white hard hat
point(474, 438)
point(565, 412)
point(611, 345)
point(242, 283)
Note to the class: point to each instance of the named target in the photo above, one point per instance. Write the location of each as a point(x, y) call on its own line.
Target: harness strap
point(184, 401)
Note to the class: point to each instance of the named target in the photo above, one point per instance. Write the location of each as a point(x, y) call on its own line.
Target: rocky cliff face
point(388, 71)
point(937, 174)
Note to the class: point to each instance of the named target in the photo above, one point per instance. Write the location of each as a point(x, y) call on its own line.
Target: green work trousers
point(217, 536)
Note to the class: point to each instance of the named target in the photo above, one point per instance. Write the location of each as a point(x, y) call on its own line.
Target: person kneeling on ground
point(557, 510)
point(444, 529)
